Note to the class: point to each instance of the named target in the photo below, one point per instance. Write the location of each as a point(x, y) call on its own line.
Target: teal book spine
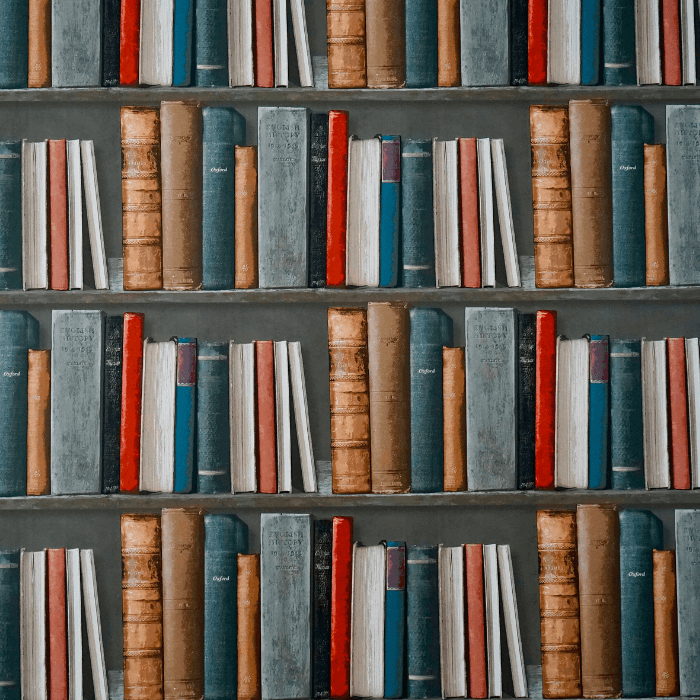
point(421, 44)
point(390, 212)
point(9, 625)
point(631, 128)
point(598, 411)
point(225, 537)
point(211, 43)
point(640, 532)
point(10, 215)
point(619, 61)
point(395, 619)
point(14, 43)
point(590, 42)
point(185, 396)
point(688, 591)
point(183, 39)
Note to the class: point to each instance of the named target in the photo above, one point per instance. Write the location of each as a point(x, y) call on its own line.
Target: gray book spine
point(491, 373)
point(484, 44)
point(76, 30)
point(283, 191)
point(76, 401)
point(688, 590)
point(285, 602)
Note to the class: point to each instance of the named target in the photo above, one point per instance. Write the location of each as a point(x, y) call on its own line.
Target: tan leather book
point(599, 595)
point(39, 44)
point(142, 606)
point(389, 396)
point(345, 21)
point(591, 192)
point(551, 196)
point(454, 408)
point(349, 393)
point(559, 609)
point(38, 422)
point(655, 214)
point(183, 603)
point(181, 170)
point(665, 623)
point(141, 198)
point(246, 218)
point(386, 42)
point(449, 59)
point(248, 596)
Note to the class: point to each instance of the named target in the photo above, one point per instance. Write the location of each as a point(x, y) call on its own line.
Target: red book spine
point(476, 622)
point(56, 633)
point(132, 374)
point(265, 415)
point(336, 218)
point(537, 42)
point(264, 76)
point(129, 35)
point(678, 414)
point(58, 215)
point(341, 597)
point(469, 201)
point(545, 396)
point(671, 42)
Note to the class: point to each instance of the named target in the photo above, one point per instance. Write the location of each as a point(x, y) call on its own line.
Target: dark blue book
point(10, 215)
point(112, 382)
point(323, 552)
point(526, 401)
point(687, 577)
point(225, 537)
point(223, 128)
point(598, 411)
point(183, 39)
point(431, 330)
point(626, 421)
point(318, 199)
point(14, 43)
point(631, 127)
point(395, 620)
point(185, 414)
point(518, 42)
point(640, 532)
point(422, 622)
point(9, 625)
point(421, 44)
point(619, 60)
point(417, 231)
point(213, 453)
point(211, 43)
point(111, 21)
point(590, 41)
point(390, 219)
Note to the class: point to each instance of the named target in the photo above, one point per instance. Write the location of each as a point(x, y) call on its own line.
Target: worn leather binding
point(449, 63)
point(559, 604)
point(39, 64)
point(249, 686)
point(318, 200)
point(38, 422)
point(476, 623)
point(56, 623)
point(454, 403)
point(545, 396)
point(112, 383)
point(678, 414)
point(469, 213)
point(526, 401)
point(346, 44)
point(265, 416)
point(665, 623)
point(58, 215)
point(322, 563)
point(655, 214)
point(551, 196)
point(246, 218)
point(386, 42)
point(142, 606)
point(341, 595)
point(671, 42)
point(349, 400)
point(336, 216)
point(141, 198)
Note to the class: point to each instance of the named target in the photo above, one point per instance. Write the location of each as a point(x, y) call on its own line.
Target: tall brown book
point(448, 46)
point(665, 623)
point(551, 196)
point(386, 42)
point(39, 44)
point(142, 607)
point(346, 43)
point(38, 422)
point(181, 169)
point(349, 389)
point(559, 604)
point(141, 198)
point(655, 214)
point(454, 408)
point(246, 218)
point(389, 396)
point(248, 593)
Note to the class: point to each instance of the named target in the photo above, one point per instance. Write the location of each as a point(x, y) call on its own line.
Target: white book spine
point(93, 624)
point(38, 649)
point(692, 360)
point(240, 43)
point(242, 403)
point(493, 624)
point(74, 626)
point(39, 251)
point(156, 42)
point(301, 417)
point(657, 473)
point(279, 27)
point(486, 222)
point(26, 565)
point(75, 214)
point(301, 39)
point(27, 212)
point(688, 41)
point(505, 213)
point(453, 669)
point(446, 214)
point(94, 215)
point(282, 416)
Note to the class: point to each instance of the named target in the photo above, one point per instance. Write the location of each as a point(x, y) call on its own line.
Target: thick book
point(111, 430)
point(395, 620)
point(10, 630)
point(129, 40)
point(39, 44)
point(619, 62)
point(454, 410)
point(38, 422)
point(657, 455)
point(564, 42)
point(341, 600)
point(446, 213)
point(678, 414)
point(665, 623)
point(56, 623)
point(545, 397)
point(76, 30)
point(322, 584)
point(346, 44)
point(248, 665)
point(132, 383)
point(240, 43)
point(453, 668)
point(246, 218)
point(671, 42)
point(537, 26)
point(11, 215)
point(655, 214)
point(476, 621)
point(423, 49)
point(599, 412)
point(14, 45)
point(318, 199)
point(385, 42)
point(111, 19)
point(526, 400)
point(469, 213)
point(185, 415)
point(390, 212)
point(518, 41)
point(242, 417)
point(265, 433)
point(210, 43)
point(590, 41)
point(484, 52)
point(264, 53)
point(183, 38)
point(337, 200)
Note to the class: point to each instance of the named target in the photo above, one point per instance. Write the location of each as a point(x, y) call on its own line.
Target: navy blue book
point(619, 60)
point(14, 43)
point(395, 619)
point(225, 537)
point(518, 42)
point(112, 407)
point(183, 39)
point(223, 128)
point(211, 43)
point(431, 330)
point(323, 552)
point(185, 395)
point(111, 20)
point(417, 231)
point(640, 532)
point(526, 401)
point(421, 44)
point(9, 625)
point(631, 127)
point(318, 199)
point(389, 218)
point(590, 41)
point(10, 215)
point(422, 622)
point(598, 411)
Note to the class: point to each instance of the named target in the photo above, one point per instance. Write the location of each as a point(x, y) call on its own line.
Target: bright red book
point(56, 621)
point(469, 205)
point(537, 42)
point(678, 414)
point(341, 598)
point(336, 217)
point(129, 35)
point(476, 619)
point(265, 416)
point(58, 215)
point(264, 67)
point(545, 396)
point(132, 375)
point(671, 42)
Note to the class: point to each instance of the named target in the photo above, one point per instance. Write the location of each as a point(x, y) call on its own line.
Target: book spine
point(336, 219)
point(423, 54)
point(246, 218)
point(249, 685)
point(39, 44)
point(14, 44)
point(518, 42)
point(10, 631)
point(469, 213)
point(526, 401)
point(264, 62)
point(386, 39)
point(185, 414)
point(485, 36)
point(341, 594)
point(318, 200)
point(665, 623)
point(323, 555)
point(244, 474)
point(58, 215)
point(598, 412)
point(687, 571)
point(390, 208)
point(671, 42)
point(111, 431)
point(38, 422)
point(678, 414)
point(448, 59)
point(395, 619)
point(211, 45)
point(129, 39)
point(655, 214)
point(265, 416)
point(537, 21)
point(183, 36)
point(619, 63)
point(111, 12)
point(56, 623)
point(11, 215)
point(590, 41)
point(476, 622)
point(76, 32)
point(132, 377)
point(347, 67)
point(454, 407)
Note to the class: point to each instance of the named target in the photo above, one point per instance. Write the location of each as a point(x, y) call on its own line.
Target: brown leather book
point(591, 192)
point(454, 402)
point(551, 196)
point(389, 396)
point(183, 603)
point(448, 45)
point(141, 198)
point(58, 215)
point(39, 63)
point(248, 593)
point(38, 422)
point(349, 389)
point(56, 619)
point(599, 594)
point(559, 609)
point(181, 170)
point(246, 218)
point(655, 214)
point(386, 53)
point(665, 623)
point(346, 43)
point(142, 606)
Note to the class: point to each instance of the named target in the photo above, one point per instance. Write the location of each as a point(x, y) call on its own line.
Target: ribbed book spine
point(395, 619)
point(9, 625)
point(421, 44)
point(132, 376)
point(318, 200)
point(111, 16)
point(526, 401)
point(111, 431)
point(323, 555)
point(14, 18)
point(619, 63)
point(185, 414)
point(687, 577)
point(183, 39)
point(390, 210)
point(10, 215)
point(599, 412)
point(590, 41)
point(211, 44)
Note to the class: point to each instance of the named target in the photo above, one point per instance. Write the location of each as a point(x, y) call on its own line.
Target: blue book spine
point(421, 44)
point(9, 625)
point(14, 43)
point(619, 61)
point(590, 41)
point(598, 412)
point(626, 422)
point(223, 128)
point(640, 532)
point(631, 128)
point(183, 32)
point(395, 619)
point(185, 415)
point(417, 232)
point(10, 215)
point(688, 591)
point(213, 453)
point(225, 537)
point(389, 221)
point(431, 330)
point(211, 43)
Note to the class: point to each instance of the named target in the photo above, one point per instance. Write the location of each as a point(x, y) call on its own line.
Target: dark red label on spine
point(395, 568)
point(186, 362)
point(391, 161)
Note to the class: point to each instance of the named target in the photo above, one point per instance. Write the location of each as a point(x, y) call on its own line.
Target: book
point(301, 42)
point(476, 622)
point(340, 612)
point(112, 379)
point(33, 641)
point(390, 211)
point(94, 216)
point(74, 615)
point(75, 215)
point(590, 41)
point(486, 222)
point(655, 215)
point(395, 620)
point(242, 417)
point(423, 51)
point(619, 64)
point(385, 43)
point(657, 466)
point(678, 414)
point(665, 623)
point(453, 668)
point(688, 47)
point(249, 683)
point(493, 622)
point(526, 400)
point(38, 422)
point(185, 415)
point(156, 42)
point(454, 409)
point(38, 45)
point(599, 412)
point(35, 250)
point(537, 41)
point(92, 622)
point(240, 43)
point(111, 19)
point(265, 433)
point(512, 624)
point(129, 40)
point(318, 199)
point(246, 218)
point(505, 214)
point(322, 563)
point(301, 417)
point(564, 37)
point(264, 57)
point(469, 212)
point(211, 44)
point(11, 215)
point(10, 621)
point(518, 42)
point(346, 45)
point(692, 359)
point(337, 200)
point(484, 51)
point(56, 622)
point(671, 42)
point(75, 44)
point(446, 213)
point(283, 423)
point(648, 41)
point(545, 397)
